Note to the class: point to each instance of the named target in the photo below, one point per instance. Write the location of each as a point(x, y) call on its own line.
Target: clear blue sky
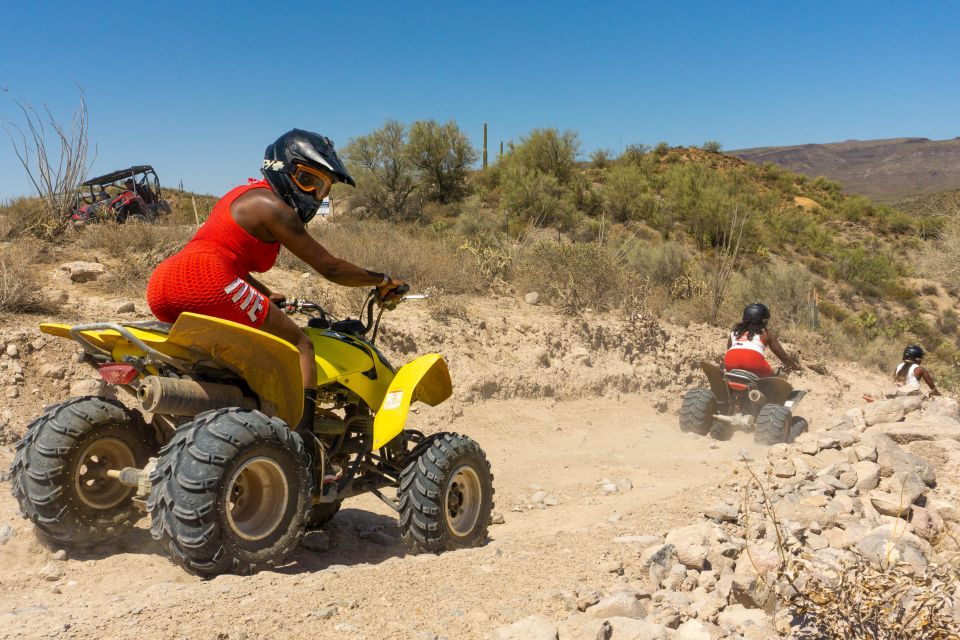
point(199, 91)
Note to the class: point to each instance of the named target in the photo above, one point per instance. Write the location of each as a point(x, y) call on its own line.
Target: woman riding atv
point(244, 233)
point(909, 373)
point(749, 340)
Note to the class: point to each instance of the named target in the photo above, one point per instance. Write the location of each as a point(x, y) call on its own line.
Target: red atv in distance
point(120, 195)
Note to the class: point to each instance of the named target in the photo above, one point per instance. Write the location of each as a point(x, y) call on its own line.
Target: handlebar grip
point(401, 290)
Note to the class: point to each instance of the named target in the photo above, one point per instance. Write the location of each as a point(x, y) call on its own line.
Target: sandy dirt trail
point(563, 448)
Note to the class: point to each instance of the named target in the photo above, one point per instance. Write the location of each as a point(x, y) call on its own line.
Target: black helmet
point(756, 313)
point(913, 352)
point(303, 148)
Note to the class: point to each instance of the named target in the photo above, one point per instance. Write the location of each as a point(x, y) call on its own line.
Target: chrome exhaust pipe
point(756, 396)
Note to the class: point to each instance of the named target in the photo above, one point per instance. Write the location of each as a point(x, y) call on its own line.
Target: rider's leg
point(278, 324)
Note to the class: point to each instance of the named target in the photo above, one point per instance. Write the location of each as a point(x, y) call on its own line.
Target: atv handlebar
point(399, 294)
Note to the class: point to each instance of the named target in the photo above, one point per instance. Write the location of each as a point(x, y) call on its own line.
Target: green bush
point(546, 151)
point(385, 174)
point(601, 158)
point(626, 194)
point(638, 155)
point(573, 277)
point(870, 272)
point(442, 155)
point(529, 197)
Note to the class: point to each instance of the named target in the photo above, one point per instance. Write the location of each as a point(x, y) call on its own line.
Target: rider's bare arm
point(778, 350)
point(924, 375)
point(270, 219)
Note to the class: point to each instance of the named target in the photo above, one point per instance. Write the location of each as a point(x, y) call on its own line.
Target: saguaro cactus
point(484, 145)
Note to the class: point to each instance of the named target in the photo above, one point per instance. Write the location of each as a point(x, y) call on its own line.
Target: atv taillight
point(116, 373)
point(736, 386)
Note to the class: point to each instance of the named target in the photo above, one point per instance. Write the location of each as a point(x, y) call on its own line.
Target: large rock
point(691, 630)
point(530, 628)
point(722, 512)
point(581, 627)
point(621, 604)
point(691, 543)
point(756, 569)
point(908, 485)
point(83, 271)
point(893, 459)
point(913, 430)
point(868, 475)
point(883, 411)
point(892, 545)
point(942, 406)
point(634, 629)
point(737, 618)
point(658, 554)
point(890, 504)
point(807, 510)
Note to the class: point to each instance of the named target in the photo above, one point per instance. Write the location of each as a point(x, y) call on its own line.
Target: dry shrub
point(860, 601)
point(443, 308)
point(424, 258)
point(20, 284)
point(21, 217)
point(574, 277)
point(139, 248)
point(855, 599)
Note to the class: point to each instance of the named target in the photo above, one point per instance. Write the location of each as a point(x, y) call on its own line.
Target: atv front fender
point(426, 380)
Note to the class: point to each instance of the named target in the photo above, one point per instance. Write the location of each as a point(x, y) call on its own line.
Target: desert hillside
point(888, 169)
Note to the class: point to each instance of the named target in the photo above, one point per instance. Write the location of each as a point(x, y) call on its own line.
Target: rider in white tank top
point(909, 373)
point(743, 342)
point(911, 384)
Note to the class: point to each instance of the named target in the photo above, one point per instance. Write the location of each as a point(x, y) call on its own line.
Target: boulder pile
point(848, 500)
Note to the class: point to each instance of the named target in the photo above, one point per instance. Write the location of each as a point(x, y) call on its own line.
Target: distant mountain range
point(888, 169)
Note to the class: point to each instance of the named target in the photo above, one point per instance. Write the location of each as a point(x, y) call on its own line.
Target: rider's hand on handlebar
point(277, 299)
point(390, 293)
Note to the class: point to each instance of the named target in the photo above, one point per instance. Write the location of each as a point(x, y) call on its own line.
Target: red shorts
point(748, 360)
point(207, 284)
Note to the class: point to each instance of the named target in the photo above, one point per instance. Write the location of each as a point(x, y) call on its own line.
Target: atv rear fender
point(426, 380)
point(717, 385)
point(795, 397)
point(776, 390)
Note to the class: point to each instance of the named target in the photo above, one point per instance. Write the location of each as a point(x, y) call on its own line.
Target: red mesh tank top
point(221, 235)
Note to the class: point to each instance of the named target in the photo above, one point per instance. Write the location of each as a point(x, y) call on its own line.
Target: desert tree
point(442, 155)
point(547, 151)
point(54, 155)
point(385, 173)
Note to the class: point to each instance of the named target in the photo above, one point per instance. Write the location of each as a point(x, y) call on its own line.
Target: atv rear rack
point(76, 332)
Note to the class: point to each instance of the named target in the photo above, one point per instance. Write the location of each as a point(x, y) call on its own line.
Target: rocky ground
point(610, 522)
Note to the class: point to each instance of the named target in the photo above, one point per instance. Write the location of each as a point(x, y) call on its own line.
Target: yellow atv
point(207, 450)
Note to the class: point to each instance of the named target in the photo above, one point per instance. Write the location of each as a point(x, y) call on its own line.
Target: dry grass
point(137, 247)
point(22, 217)
point(422, 257)
point(20, 284)
point(574, 277)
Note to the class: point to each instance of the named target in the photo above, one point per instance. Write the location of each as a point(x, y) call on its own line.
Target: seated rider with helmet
point(748, 343)
point(909, 373)
point(244, 233)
